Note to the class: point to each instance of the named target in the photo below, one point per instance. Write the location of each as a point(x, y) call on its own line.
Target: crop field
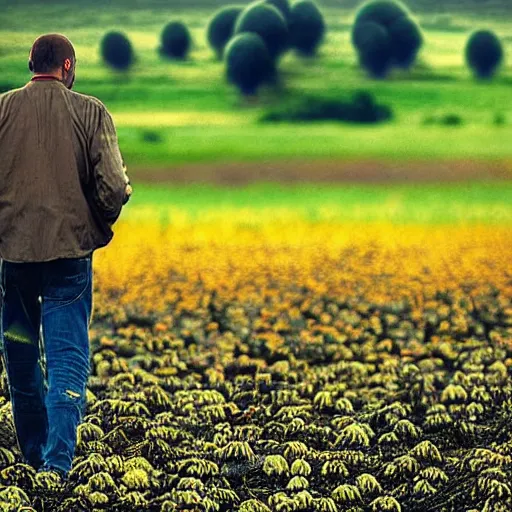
point(295, 359)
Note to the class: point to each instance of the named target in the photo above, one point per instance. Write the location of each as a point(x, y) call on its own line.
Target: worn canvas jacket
point(62, 177)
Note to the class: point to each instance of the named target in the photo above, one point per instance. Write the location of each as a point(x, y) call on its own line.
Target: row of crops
point(255, 374)
point(252, 39)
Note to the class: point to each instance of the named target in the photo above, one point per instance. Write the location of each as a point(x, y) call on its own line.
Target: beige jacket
point(62, 177)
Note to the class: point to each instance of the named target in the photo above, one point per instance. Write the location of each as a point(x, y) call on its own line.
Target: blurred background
point(329, 109)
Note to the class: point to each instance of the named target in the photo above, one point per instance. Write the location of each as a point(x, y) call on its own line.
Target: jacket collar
point(38, 78)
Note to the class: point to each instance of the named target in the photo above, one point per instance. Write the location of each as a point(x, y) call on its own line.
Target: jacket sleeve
point(109, 178)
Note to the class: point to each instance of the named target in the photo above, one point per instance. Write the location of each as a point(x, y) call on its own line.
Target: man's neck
point(47, 76)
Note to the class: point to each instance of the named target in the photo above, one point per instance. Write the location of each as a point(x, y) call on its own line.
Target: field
point(301, 364)
point(256, 205)
point(290, 318)
point(294, 348)
point(198, 117)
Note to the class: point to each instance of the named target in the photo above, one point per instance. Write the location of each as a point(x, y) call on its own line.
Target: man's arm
point(109, 176)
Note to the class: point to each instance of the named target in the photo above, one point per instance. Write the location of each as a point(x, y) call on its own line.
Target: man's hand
point(127, 193)
point(128, 190)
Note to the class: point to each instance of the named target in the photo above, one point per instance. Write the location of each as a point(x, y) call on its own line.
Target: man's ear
point(31, 66)
point(67, 64)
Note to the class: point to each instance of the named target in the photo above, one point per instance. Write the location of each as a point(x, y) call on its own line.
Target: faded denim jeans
point(44, 326)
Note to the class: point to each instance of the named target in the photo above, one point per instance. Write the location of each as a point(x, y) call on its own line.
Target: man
point(62, 186)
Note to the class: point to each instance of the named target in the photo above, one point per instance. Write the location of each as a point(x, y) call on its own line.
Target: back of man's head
point(49, 52)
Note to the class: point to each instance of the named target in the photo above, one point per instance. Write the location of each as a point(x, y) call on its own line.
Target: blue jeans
point(44, 340)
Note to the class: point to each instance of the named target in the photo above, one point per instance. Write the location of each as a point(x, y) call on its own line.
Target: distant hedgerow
point(248, 62)
point(361, 108)
point(176, 40)
point(267, 22)
point(484, 53)
point(221, 28)
point(385, 35)
point(116, 50)
point(307, 27)
point(446, 119)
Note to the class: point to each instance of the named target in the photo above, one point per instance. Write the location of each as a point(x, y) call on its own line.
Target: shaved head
point(49, 52)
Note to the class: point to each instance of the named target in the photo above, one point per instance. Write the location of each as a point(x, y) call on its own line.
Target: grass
point(188, 144)
point(201, 118)
point(469, 203)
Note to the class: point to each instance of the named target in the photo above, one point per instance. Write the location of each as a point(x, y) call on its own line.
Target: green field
point(198, 117)
point(486, 203)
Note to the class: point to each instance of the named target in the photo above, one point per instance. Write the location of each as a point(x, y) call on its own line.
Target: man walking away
point(62, 186)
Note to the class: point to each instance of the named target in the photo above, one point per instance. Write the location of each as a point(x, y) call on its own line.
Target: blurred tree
point(385, 35)
point(176, 40)
point(384, 12)
point(406, 41)
point(221, 27)
point(374, 46)
point(307, 27)
point(116, 50)
point(484, 53)
point(283, 6)
point(248, 62)
point(266, 21)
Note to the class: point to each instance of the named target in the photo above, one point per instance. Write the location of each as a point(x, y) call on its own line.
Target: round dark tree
point(399, 34)
point(283, 6)
point(375, 49)
point(221, 27)
point(484, 53)
point(307, 27)
point(176, 40)
point(406, 41)
point(266, 21)
point(384, 12)
point(117, 51)
point(248, 62)
point(359, 32)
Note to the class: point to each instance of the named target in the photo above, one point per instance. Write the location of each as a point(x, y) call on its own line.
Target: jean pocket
point(2, 302)
point(2, 282)
point(66, 280)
